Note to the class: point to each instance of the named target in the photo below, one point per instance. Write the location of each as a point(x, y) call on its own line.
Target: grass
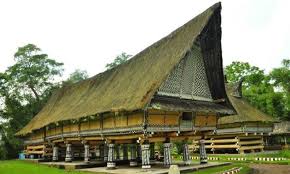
point(23, 167)
point(250, 157)
point(244, 170)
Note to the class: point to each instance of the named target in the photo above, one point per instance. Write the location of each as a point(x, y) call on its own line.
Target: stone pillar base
point(68, 160)
point(87, 160)
point(54, 159)
point(133, 163)
point(111, 165)
point(187, 163)
point(146, 166)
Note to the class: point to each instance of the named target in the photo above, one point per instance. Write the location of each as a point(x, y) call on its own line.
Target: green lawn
point(250, 157)
point(23, 167)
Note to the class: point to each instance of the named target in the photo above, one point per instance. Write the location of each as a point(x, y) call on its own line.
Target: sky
point(88, 34)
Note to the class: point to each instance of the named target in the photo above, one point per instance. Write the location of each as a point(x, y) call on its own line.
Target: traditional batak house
point(243, 132)
point(172, 90)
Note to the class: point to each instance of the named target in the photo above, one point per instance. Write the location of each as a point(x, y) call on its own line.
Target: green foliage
point(281, 76)
point(238, 70)
point(262, 90)
point(24, 88)
point(76, 76)
point(284, 153)
point(33, 71)
point(120, 59)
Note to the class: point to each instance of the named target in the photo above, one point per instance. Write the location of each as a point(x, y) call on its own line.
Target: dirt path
point(270, 169)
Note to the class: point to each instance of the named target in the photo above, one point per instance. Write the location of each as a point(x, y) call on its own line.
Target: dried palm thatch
point(245, 111)
point(131, 85)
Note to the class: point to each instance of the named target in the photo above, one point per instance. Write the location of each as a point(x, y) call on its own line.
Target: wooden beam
point(73, 139)
point(125, 141)
point(156, 139)
point(222, 141)
point(93, 138)
point(36, 147)
point(222, 136)
point(124, 137)
point(250, 142)
point(250, 137)
point(222, 146)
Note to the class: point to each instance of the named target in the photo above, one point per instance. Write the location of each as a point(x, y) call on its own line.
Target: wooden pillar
point(55, 153)
point(87, 153)
point(186, 158)
point(133, 161)
point(68, 153)
point(202, 152)
point(167, 154)
point(145, 156)
point(111, 159)
point(125, 152)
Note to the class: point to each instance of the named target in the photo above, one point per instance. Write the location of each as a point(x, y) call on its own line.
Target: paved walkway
point(270, 169)
point(156, 169)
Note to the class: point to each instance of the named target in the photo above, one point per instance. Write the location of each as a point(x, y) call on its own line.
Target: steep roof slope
point(245, 111)
point(131, 85)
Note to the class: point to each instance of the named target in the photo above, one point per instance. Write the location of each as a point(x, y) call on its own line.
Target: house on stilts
point(246, 131)
point(171, 91)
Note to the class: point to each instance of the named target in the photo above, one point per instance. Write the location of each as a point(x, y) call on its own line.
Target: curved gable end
point(188, 79)
point(132, 85)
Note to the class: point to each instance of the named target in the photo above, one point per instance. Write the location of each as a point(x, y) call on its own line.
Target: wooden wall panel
point(74, 127)
point(85, 125)
point(200, 120)
point(171, 119)
point(95, 124)
point(205, 120)
point(121, 120)
point(211, 120)
point(135, 119)
point(58, 130)
point(48, 132)
point(66, 128)
point(109, 122)
point(156, 119)
point(37, 135)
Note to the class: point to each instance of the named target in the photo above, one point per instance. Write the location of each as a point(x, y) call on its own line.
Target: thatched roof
point(131, 85)
point(245, 111)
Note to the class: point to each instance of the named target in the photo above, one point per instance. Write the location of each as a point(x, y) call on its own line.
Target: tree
point(24, 88)
point(237, 70)
point(281, 76)
point(258, 87)
point(33, 72)
point(120, 59)
point(281, 80)
point(76, 76)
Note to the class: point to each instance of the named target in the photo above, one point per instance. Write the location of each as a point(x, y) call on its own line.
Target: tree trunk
point(34, 92)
